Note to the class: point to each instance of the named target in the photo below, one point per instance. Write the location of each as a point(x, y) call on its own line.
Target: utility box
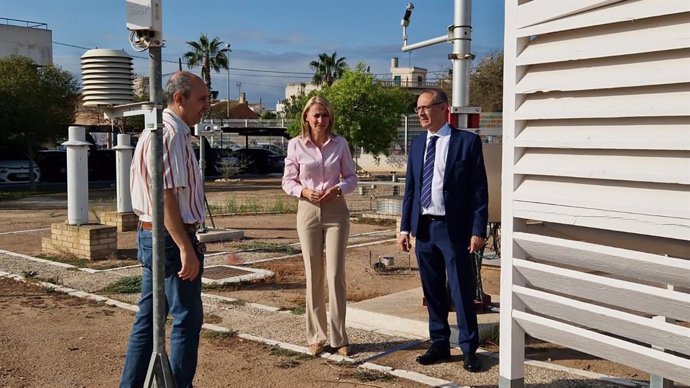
point(145, 17)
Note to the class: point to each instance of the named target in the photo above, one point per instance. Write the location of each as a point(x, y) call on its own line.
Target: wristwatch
point(340, 191)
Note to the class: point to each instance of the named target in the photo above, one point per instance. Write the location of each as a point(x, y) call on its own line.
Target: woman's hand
point(331, 193)
point(312, 196)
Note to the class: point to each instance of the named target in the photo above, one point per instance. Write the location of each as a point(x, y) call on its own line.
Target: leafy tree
point(209, 55)
point(269, 115)
point(37, 103)
point(293, 107)
point(367, 113)
point(486, 83)
point(327, 69)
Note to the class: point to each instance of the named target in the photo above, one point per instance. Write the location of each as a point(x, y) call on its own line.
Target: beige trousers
point(326, 226)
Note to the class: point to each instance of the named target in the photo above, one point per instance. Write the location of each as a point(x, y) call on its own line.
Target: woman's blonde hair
point(326, 104)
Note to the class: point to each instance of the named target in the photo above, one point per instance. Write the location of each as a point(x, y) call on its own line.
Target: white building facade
point(26, 38)
point(596, 183)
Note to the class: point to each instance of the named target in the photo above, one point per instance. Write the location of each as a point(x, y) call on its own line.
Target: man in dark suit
point(446, 208)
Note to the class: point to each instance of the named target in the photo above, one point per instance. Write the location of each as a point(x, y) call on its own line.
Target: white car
point(14, 167)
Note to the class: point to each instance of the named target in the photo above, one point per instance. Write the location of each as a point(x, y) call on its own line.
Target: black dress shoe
point(472, 363)
point(434, 354)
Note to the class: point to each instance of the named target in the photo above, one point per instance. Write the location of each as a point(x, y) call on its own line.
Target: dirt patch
point(50, 339)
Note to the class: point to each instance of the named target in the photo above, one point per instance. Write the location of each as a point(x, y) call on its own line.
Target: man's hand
point(476, 243)
point(190, 265)
point(404, 242)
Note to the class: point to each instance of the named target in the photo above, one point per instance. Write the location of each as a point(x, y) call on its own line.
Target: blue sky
point(270, 35)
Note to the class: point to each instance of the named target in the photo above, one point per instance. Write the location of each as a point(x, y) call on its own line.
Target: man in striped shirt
point(187, 99)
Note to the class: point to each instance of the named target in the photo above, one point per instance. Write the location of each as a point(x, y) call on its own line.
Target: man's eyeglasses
point(426, 108)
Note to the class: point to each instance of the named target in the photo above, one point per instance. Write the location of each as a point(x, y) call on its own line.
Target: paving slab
point(403, 314)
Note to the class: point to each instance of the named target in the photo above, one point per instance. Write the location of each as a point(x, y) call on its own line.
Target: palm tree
point(327, 69)
point(207, 54)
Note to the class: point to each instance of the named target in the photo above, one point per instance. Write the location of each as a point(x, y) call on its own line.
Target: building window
point(396, 80)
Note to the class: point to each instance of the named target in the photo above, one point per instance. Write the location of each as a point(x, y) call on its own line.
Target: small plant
point(268, 247)
point(125, 285)
point(300, 310)
point(212, 318)
point(282, 352)
point(286, 364)
point(52, 280)
point(219, 335)
point(365, 375)
point(14, 195)
point(283, 207)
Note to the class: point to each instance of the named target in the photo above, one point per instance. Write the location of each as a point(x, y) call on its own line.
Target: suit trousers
point(442, 261)
point(324, 226)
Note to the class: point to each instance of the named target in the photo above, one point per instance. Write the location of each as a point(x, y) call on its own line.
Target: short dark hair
point(439, 94)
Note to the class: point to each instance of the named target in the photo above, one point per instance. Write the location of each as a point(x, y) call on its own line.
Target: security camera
point(408, 12)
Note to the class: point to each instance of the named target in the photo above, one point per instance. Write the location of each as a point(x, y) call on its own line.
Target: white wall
point(596, 182)
point(34, 43)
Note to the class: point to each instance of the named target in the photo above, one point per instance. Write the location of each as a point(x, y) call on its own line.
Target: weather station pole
point(227, 47)
point(145, 21)
point(460, 34)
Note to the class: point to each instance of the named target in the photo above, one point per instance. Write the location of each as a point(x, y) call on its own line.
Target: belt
point(431, 217)
point(191, 228)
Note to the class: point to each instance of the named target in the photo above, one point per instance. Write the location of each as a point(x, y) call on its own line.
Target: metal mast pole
point(159, 373)
point(461, 56)
point(227, 46)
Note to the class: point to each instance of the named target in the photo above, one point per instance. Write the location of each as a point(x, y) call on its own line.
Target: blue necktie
point(428, 173)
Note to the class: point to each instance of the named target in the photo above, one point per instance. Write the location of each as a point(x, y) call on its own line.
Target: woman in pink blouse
point(318, 170)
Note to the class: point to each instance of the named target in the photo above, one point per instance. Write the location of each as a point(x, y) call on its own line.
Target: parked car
point(271, 147)
point(224, 160)
point(257, 161)
point(14, 167)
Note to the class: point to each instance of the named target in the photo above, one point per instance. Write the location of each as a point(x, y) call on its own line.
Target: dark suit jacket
point(465, 190)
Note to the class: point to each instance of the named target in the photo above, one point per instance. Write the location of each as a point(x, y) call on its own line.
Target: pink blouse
point(319, 169)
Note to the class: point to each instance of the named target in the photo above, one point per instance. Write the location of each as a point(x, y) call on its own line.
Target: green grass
point(125, 285)
point(15, 195)
point(282, 352)
point(365, 375)
point(268, 247)
point(218, 335)
point(301, 310)
point(253, 205)
point(68, 259)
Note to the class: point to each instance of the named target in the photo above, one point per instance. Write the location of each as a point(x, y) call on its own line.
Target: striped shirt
point(180, 171)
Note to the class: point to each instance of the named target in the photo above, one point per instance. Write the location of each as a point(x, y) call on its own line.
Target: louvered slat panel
point(623, 11)
point(600, 345)
point(608, 73)
point(540, 11)
point(668, 200)
point(654, 332)
point(644, 133)
point(612, 292)
point(637, 166)
point(649, 225)
point(653, 101)
point(639, 36)
point(595, 257)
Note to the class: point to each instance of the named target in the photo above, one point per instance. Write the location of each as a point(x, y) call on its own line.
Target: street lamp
point(227, 54)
